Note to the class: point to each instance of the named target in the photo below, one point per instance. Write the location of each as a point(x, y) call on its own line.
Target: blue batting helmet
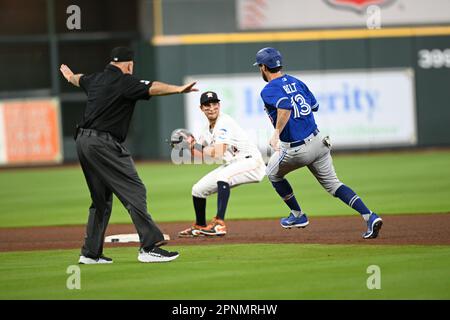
point(270, 57)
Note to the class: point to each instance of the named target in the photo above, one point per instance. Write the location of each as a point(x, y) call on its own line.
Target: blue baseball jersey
point(287, 92)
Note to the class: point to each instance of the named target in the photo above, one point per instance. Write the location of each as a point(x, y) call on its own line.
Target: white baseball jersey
point(227, 131)
point(243, 161)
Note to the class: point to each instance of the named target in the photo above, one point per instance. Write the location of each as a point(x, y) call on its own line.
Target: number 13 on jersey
point(298, 101)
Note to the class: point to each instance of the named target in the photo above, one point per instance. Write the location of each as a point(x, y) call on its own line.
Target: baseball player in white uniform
point(242, 162)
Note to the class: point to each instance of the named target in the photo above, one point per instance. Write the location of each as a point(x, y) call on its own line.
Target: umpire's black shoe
point(100, 260)
point(157, 255)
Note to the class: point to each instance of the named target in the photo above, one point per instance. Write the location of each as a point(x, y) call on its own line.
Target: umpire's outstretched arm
point(157, 88)
point(164, 89)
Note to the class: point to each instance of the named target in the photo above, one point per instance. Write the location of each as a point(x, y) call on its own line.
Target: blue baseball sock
point(223, 194)
point(285, 191)
point(349, 197)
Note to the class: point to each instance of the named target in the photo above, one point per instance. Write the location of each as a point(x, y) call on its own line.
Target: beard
point(264, 77)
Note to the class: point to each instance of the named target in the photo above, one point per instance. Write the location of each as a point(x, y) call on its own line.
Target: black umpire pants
point(109, 168)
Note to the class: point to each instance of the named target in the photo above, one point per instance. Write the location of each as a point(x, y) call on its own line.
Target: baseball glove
point(181, 139)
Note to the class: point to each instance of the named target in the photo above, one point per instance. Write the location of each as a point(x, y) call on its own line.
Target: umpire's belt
point(96, 133)
point(302, 142)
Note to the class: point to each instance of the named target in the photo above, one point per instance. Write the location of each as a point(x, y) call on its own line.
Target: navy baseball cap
point(270, 57)
point(121, 54)
point(208, 97)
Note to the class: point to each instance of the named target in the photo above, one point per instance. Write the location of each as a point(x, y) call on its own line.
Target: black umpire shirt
point(112, 96)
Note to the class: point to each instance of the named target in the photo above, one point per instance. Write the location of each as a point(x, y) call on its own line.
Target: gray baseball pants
point(314, 154)
point(109, 168)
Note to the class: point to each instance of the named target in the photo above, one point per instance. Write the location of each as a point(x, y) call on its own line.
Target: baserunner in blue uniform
point(298, 143)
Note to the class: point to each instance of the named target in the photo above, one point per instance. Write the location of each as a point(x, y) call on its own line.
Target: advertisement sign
point(30, 131)
point(288, 14)
point(357, 108)
point(2, 135)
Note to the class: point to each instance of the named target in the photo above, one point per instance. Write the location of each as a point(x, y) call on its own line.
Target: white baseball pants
point(240, 171)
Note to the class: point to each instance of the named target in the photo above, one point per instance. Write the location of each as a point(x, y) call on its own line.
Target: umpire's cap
point(270, 57)
point(121, 54)
point(208, 97)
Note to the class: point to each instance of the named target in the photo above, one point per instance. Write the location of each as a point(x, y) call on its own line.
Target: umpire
point(107, 165)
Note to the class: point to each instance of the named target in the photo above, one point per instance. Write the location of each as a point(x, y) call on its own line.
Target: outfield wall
point(428, 58)
point(328, 43)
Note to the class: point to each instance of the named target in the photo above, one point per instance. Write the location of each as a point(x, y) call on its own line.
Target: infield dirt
point(405, 229)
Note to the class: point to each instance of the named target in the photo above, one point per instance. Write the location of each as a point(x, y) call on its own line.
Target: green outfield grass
point(262, 271)
point(388, 183)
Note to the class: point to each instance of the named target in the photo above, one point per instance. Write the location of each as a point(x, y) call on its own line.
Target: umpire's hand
point(66, 72)
point(70, 76)
point(188, 88)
